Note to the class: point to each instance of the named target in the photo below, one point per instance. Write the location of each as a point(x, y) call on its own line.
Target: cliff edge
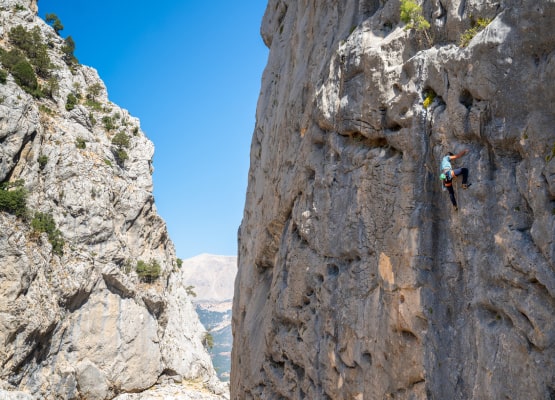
point(91, 301)
point(357, 279)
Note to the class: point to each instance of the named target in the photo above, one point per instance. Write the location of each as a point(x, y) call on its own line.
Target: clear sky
point(190, 70)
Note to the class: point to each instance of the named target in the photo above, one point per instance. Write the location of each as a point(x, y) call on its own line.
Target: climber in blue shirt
point(448, 174)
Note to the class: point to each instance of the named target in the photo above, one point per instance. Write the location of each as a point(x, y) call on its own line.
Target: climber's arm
point(459, 155)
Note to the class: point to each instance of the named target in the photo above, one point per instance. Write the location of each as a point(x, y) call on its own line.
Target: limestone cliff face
point(76, 321)
point(357, 279)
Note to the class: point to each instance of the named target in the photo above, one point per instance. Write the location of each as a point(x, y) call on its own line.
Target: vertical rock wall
point(357, 279)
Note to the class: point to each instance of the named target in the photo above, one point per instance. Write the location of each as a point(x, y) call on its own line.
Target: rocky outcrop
point(357, 279)
point(77, 319)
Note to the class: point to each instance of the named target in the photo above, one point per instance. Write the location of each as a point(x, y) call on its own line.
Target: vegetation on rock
point(67, 49)
point(148, 272)
point(42, 160)
point(208, 340)
point(411, 15)
point(477, 26)
point(80, 143)
point(120, 142)
point(43, 222)
point(71, 101)
point(13, 198)
point(430, 96)
point(54, 21)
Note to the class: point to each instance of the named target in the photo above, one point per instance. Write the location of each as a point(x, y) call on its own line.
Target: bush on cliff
point(148, 272)
point(21, 70)
point(43, 222)
point(477, 27)
point(120, 142)
point(32, 45)
point(411, 15)
point(71, 101)
point(67, 49)
point(13, 198)
point(53, 20)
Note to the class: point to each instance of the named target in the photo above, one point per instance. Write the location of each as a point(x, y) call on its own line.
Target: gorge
point(356, 277)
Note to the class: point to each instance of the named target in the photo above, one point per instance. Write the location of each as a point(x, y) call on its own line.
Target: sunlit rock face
point(76, 320)
point(357, 279)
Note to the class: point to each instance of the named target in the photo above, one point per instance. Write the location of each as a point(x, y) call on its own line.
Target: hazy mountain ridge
point(212, 278)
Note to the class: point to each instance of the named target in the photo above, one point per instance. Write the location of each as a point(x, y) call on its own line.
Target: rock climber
point(448, 174)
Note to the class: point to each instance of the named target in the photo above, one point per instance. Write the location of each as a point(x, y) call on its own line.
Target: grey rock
point(81, 323)
point(356, 278)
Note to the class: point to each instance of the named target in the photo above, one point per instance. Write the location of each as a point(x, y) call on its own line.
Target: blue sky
point(190, 71)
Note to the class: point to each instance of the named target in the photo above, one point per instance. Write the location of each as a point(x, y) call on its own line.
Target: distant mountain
point(212, 278)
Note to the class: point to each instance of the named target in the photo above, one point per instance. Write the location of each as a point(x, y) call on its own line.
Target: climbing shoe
point(466, 185)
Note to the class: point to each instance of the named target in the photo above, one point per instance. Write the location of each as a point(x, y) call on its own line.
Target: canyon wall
point(91, 301)
point(357, 278)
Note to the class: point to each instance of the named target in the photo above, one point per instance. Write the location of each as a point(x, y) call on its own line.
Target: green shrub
point(191, 291)
point(3, 76)
point(411, 15)
point(10, 58)
point(24, 75)
point(430, 96)
point(179, 262)
point(67, 49)
point(80, 143)
point(121, 156)
point(148, 272)
point(46, 110)
point(43, 160)
point(19, 37)
point(71, 102)
point(54, 21)
point(477, 26)
point(13, 198)
point(121, 140)
point(208, 340)
point(94, 90)
point(95, 105)
point(31, 43)
point(108, 123)
point(43, 222)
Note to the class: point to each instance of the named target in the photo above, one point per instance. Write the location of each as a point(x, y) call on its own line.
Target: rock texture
point(79, 323)
point(356, 278)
